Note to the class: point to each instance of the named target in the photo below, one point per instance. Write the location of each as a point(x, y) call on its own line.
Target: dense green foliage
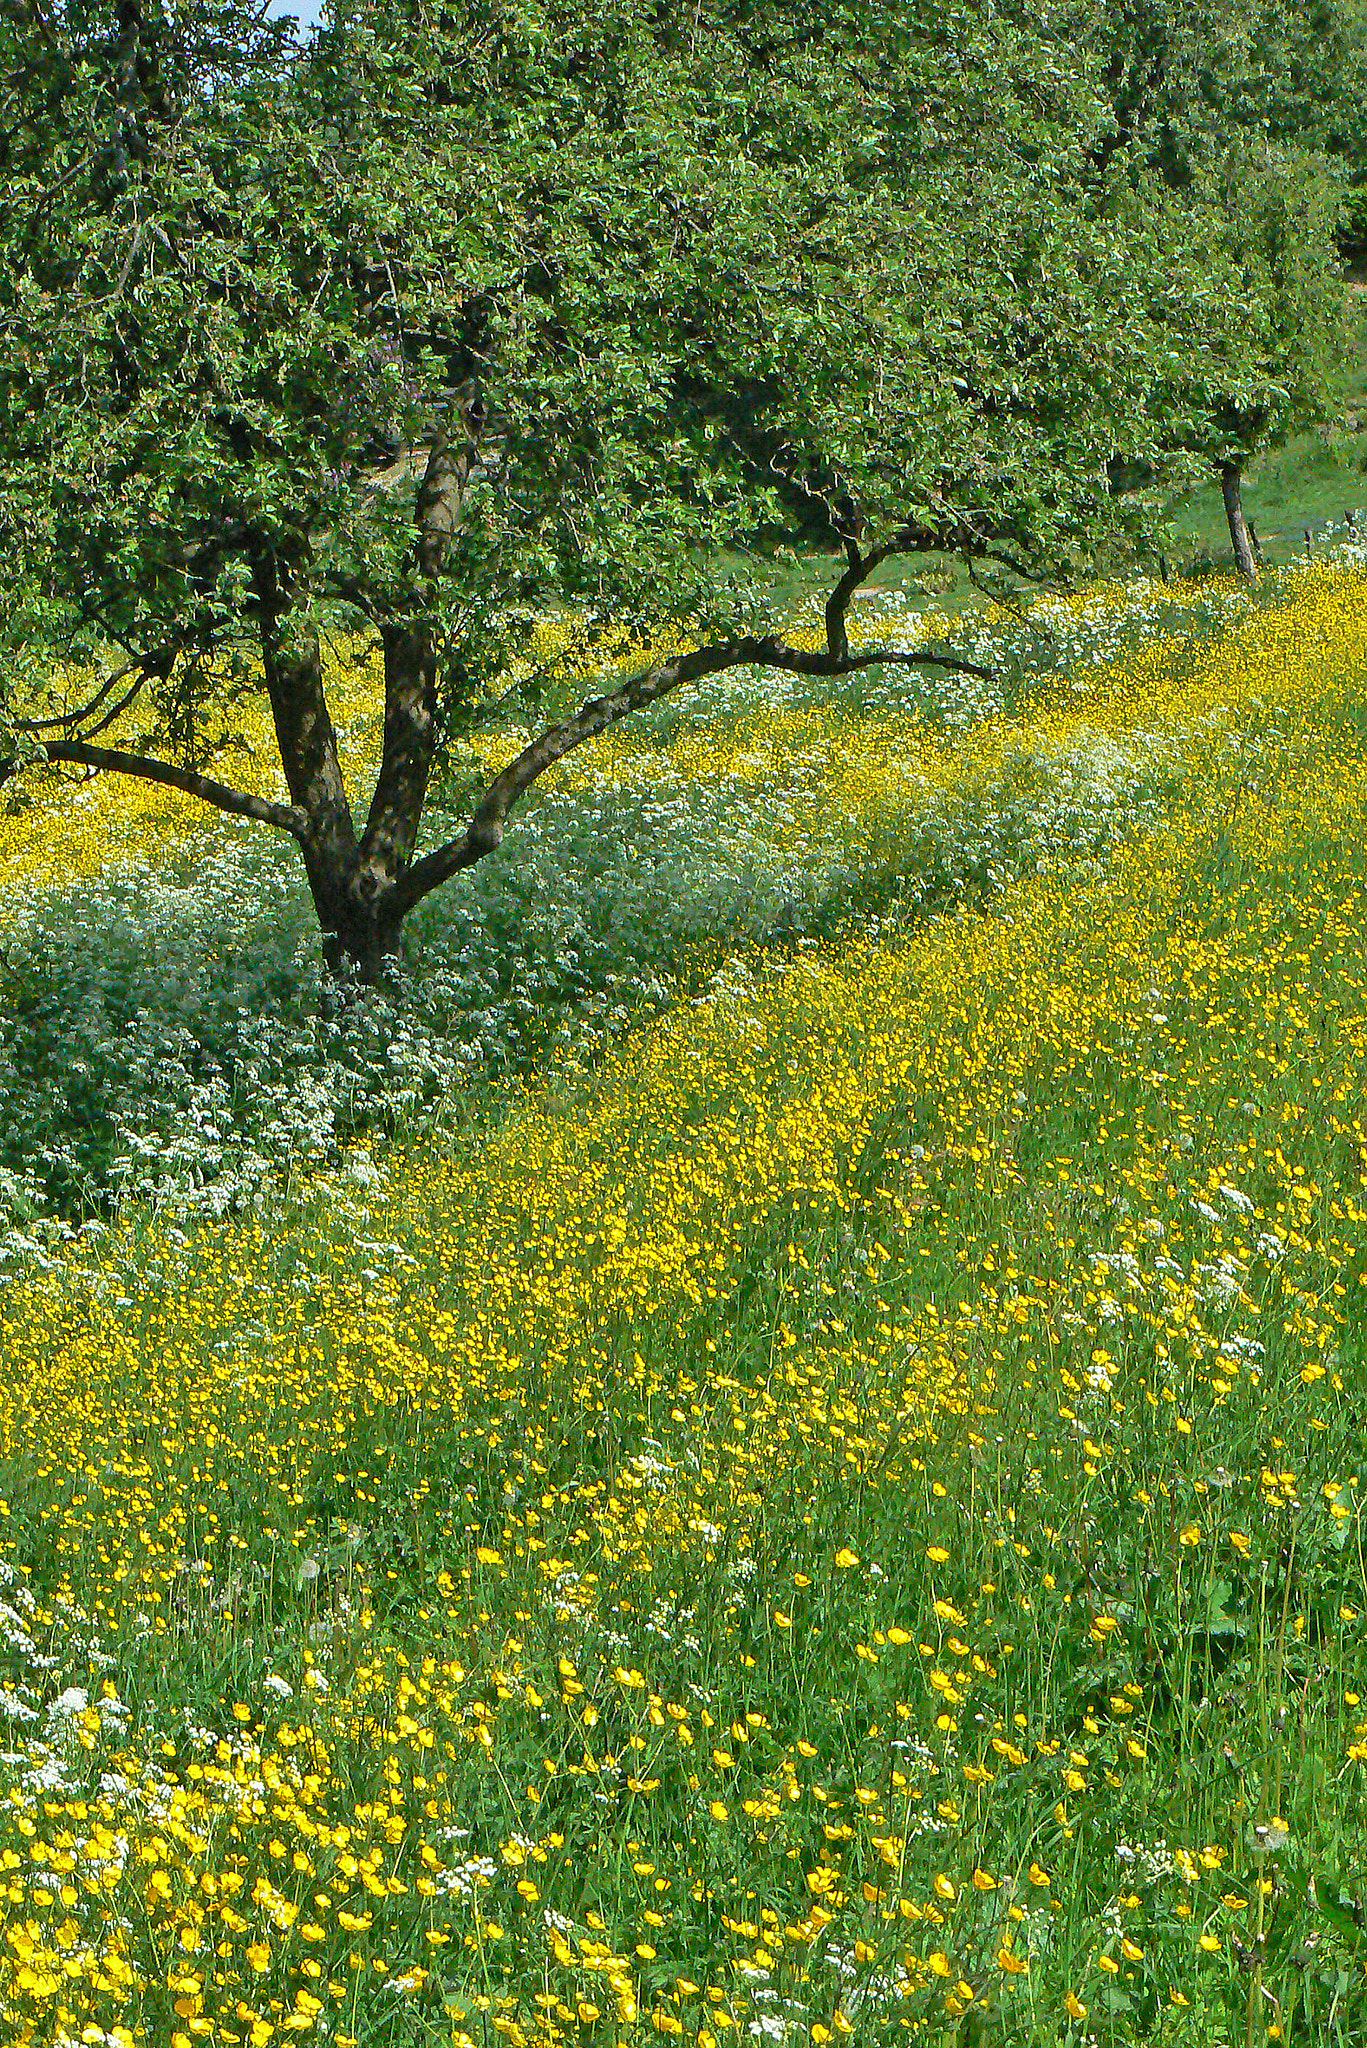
point(692, 278)
point(640, 296)
point(1184, 78)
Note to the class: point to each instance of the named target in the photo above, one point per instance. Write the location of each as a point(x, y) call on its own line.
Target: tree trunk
point(1231, 489)
point(361, 882)
point(355, 882)
point(366, 920)
point(410, 735)
point(357, 935)
point(362, 941)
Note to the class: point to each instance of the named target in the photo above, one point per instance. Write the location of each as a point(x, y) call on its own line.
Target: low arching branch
point(241, 804)
point(484, 833)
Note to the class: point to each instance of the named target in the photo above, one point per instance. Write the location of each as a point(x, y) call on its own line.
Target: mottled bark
point(484, 833)
point(307, 741)
point(410, 717)
point(356, 881)
point(410, 734)
point(440, 496)
point(1231, 489)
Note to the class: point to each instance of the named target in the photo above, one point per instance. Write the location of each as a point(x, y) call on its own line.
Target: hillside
point(772, 1449)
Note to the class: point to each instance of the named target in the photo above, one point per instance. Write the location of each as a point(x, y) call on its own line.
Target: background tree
point(1254, 315)
point(538, 252)
point(1241, 133)
point(1183, 78)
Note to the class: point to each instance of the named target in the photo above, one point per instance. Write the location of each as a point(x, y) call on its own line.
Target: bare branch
point(113, 760)
point(73, 170)
point(116, 709)
point(129, 260)
point(484, 833)
point(1016, 566)
point(68, 719)
point(1007, 604)
point(920, 657)
point(485, 829)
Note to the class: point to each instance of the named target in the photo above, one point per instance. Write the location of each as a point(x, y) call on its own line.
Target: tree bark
point(307, 741)
point(364, 940)
point(117, 761)
point(411, 656)
point(410, 736)
point(1231, 489)
point(356, 882)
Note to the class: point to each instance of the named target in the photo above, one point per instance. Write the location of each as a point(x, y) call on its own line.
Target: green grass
point(844, 1521)
point(1315, 481)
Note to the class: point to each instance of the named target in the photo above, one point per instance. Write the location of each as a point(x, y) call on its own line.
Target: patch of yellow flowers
point(65, 824)
point(676, 1411)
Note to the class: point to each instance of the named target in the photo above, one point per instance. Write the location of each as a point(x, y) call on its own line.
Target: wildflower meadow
point(768, 1447)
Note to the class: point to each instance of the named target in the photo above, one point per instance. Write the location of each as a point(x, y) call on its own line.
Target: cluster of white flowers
point(167, 1032)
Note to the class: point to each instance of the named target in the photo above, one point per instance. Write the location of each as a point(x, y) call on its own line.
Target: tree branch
point(68, 719)
point(908, 540)
point(411, 662)
point(996, 597)
point(442, 490)
point(1018, 568)
point(116, 709)
point(484, 833)
point(485, 829)
point(285, 817)
point(838, 603)
point(903, 657)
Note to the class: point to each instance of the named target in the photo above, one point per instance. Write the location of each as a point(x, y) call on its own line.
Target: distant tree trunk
point(1231, 490)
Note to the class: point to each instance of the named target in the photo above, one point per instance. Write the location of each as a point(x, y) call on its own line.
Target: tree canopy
point(461, 314)
point(1240, 133)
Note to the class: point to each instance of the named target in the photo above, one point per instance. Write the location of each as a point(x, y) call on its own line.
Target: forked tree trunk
point(367, 933)
point(365, 890)
point(1231, 490)
point(359, 882)
point(366, 925)
point(363, 887)
point(353, 881)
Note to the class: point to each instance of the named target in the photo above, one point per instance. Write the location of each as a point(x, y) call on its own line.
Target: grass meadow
point(771, 1447)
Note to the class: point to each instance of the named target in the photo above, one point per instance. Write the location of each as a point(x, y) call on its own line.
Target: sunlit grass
point(845, 1519)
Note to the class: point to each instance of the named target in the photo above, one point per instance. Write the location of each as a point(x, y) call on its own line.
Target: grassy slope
point(847, 1521)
